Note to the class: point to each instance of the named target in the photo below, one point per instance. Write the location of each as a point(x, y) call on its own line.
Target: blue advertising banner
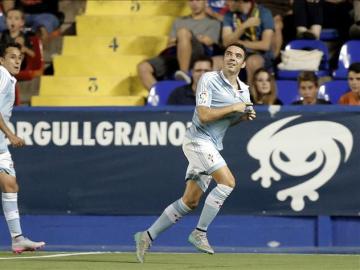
point(122, 161)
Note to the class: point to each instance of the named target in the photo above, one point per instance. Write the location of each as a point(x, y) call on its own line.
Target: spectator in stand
point(185, 95)
point(15, 33)
point(263, 90)
point(339, 9)
point(283, 23)
point(308, 18)
point(354, 31)
point(193, 36)
point(217, 9)
point(353, 96)
point(308, 84)
point(252, 26)
point(42, 16)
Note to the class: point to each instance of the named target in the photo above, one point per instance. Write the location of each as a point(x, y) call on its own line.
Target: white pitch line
point(54, 255)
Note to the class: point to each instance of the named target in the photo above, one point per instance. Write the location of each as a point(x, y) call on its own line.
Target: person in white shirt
point(222, 100)
point(10, 60)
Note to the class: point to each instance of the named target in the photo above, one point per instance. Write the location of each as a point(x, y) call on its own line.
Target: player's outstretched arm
point(207, 114)
point(14, 140)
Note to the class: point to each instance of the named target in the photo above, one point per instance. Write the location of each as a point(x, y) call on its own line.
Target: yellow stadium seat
point(85, 86)
point(123, 25)
point(56, 101)
point(131, 7)
point(114, 45)
point(92, 65)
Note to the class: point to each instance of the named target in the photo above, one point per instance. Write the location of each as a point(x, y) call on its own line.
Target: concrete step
point(114, 45)
point(95, 65)
point(92, 25)
point(75, 101)
point(131, 7)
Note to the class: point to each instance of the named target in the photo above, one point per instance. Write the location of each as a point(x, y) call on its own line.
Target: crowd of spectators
point(264, 28)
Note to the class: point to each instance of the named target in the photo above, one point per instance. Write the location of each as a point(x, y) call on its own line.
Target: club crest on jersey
point(203, 98)
point(310, 150)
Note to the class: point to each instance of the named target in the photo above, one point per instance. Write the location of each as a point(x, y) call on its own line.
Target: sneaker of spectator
point(182, 76)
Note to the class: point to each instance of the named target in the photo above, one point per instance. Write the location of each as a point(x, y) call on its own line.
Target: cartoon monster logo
point(299, 150)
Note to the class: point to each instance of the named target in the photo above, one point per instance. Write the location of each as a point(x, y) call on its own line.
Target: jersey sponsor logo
point(312, 150)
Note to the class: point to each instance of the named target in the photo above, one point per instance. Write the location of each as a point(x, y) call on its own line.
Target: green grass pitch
point(172, 261)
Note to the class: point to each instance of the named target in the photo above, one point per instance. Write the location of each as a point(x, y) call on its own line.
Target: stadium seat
point(306, 45)
point(34, 65)
point(329, 34)
point(115, 45)
point(94, 25)
point(349, 54)
point(144, 7)
point(160, 92)
point(287, 91)
point(333, 90)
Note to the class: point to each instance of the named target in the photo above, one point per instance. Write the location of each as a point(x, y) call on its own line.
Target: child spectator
point(15, 33)
point(353, 96)
point(308, 84)
point(263, 90)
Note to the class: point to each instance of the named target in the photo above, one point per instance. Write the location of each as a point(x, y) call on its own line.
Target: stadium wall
point(121, 162)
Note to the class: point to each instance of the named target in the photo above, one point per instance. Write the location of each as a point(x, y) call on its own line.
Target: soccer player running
point(10, 60)
point(222, 100)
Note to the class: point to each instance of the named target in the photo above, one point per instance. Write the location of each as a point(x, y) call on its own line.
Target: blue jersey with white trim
point(215, 91)
point(7, 98)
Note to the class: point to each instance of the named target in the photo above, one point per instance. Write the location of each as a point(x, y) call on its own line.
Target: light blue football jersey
point(215, 91)
point(7, 98)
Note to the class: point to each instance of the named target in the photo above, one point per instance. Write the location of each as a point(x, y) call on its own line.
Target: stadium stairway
point(97, 67)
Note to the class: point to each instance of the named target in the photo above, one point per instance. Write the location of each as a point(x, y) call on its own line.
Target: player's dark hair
point(5, 46)
point(239, 46)
point(355, 67)
point(16, 9)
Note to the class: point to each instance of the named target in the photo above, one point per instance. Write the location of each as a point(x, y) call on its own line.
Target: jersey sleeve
point(203, 92)
point(4, 79)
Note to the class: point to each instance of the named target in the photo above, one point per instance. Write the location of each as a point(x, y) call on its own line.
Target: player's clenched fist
point(241, 106)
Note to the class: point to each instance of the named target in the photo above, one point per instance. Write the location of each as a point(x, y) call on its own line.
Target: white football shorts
point(203, 159)
point(6, 164)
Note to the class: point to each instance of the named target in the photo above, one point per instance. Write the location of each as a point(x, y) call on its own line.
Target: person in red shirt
point(353, 96)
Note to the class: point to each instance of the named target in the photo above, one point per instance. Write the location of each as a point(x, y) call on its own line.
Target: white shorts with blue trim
point(6, 164)
point(203, 159)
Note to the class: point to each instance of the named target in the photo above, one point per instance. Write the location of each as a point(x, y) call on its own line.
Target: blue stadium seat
point(287, 91)
point(333, 90)
point(329, 34)
point(306, 45)
point(349, 53)
point(160, 92)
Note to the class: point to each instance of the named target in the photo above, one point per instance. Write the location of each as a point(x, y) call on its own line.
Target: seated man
point(308, 89)
point(251, 25)
point(185, 95)
point(353, 96)
point(193, 36)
